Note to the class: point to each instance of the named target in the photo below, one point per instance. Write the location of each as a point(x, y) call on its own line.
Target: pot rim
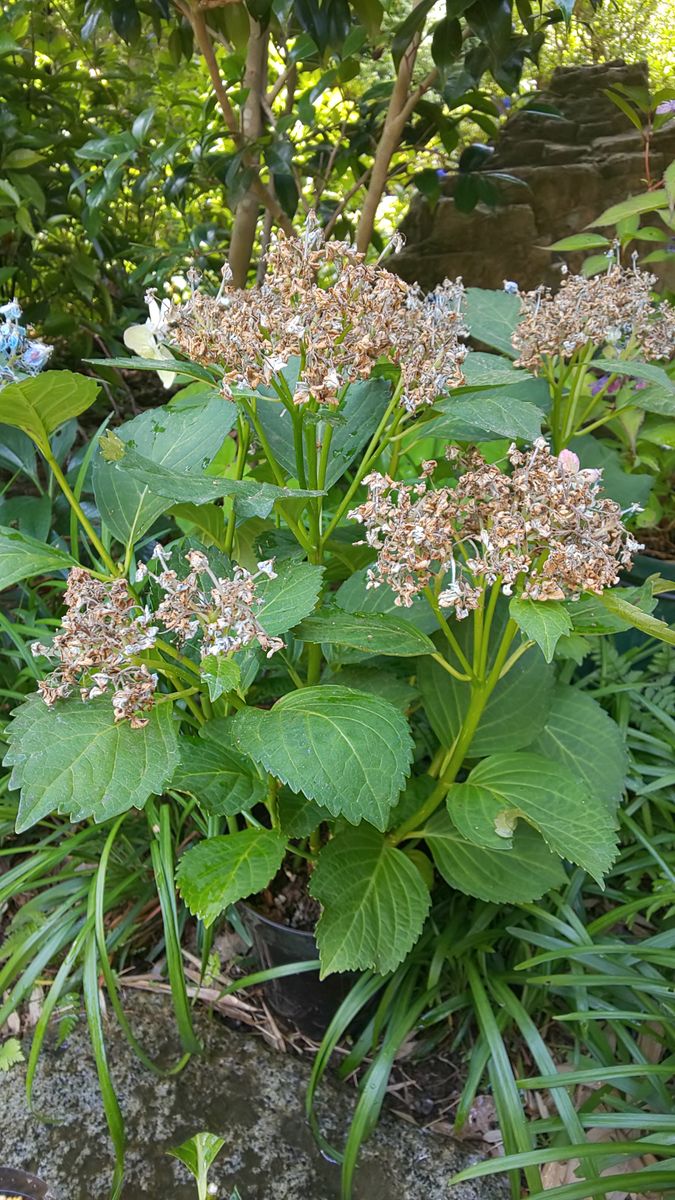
point(301, 933)
point(32, 1186)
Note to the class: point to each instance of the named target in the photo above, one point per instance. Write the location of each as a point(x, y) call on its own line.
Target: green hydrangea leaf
point(347, 750)
point(374, 903)
point(374, 633)
point(542, 621)
point(22, 556)
point(291, 596)
point(222, 675)
point(222, 780)
point(221, 870)
point(548, 796)
point(579, 734)
point(73, 759)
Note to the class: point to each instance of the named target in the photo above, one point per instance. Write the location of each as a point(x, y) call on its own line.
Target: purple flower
point(602, 384)
point(666, 106)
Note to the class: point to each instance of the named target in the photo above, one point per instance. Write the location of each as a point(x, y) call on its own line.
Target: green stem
point(443, 662)
point(375, 447)
point(449, 635)
point(272, 802)
point(326, 439)
point(579, 370)
point(240, 466)
point(249, 409)
point(297, 419)
point(603, 420)
point(164, 696)
point(481, 690)
point(299, 533)
point(479, 698)
point(80, 514)
point(487, 625)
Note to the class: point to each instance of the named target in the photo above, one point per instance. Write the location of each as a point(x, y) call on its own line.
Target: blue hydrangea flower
point(19, 355)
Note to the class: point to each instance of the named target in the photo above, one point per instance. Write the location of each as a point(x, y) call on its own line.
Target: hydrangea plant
point(314, 618)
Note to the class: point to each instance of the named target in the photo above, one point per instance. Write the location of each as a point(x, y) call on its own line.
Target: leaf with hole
point(524, 786)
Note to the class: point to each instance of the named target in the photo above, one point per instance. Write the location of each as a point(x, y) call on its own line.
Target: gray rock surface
point(569, 169)
point(241, 1089)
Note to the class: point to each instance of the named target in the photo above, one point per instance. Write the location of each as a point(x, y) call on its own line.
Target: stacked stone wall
point(570, 169)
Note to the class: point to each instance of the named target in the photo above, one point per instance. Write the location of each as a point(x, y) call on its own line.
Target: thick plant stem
point(479, 698)
point(80, 514)
point(481, 690)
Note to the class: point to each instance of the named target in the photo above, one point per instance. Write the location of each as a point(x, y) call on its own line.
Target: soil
point(288, 901)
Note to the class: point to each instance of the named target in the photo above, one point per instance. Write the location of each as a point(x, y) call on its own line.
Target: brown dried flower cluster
point(102, 632)
point(321, 302)
point(615, 307)
point(543, 529)
point(222, 615)
point(105, 631)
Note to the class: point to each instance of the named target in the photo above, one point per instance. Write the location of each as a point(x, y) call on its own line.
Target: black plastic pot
point(20, 1183)
point(305, 1000)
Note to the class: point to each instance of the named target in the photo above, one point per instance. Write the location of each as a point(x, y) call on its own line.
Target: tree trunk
point(248, 208)
point(394, 124)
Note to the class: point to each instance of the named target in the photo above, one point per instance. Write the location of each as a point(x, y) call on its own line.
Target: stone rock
point(250, 1095)
point(573, 166)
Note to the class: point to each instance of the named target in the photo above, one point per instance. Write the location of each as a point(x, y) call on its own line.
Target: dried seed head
point(544, 530)
point(321, 302)
point(219, 612)
point(105, 632)
point(102, 633)
point(615, 307)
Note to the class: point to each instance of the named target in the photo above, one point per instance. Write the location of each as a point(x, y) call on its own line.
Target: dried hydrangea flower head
point(322, 303)
point(543, 530)
point(102, 632)
point(105, 630)
point(222, 614)
point(615, 307)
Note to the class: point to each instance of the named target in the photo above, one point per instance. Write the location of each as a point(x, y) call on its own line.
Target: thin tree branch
point(196, 19)
point(338, 211)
